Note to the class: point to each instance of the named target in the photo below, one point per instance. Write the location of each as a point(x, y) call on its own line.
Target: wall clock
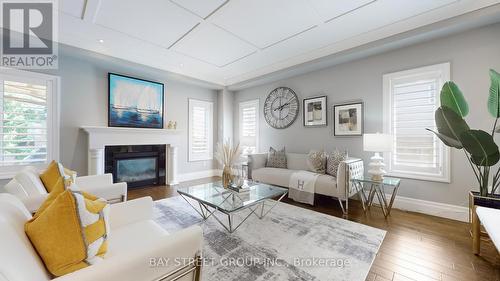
point(281, 108)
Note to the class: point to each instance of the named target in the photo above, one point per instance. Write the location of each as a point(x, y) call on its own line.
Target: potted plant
point(479, 147)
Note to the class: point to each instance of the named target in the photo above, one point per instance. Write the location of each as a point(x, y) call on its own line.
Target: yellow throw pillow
point(71, 233)
point(51, 197)
point(50, 178)
point(53, 173)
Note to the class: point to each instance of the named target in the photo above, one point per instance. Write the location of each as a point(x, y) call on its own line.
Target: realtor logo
point(29, 34)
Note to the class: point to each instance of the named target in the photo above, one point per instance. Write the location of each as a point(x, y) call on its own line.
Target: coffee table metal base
point(206, 211)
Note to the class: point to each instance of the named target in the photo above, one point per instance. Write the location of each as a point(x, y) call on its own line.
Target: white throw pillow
point(30, 181)
point(13, 187)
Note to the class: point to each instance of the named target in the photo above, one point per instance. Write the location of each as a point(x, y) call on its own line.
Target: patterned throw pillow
point(71, 233)
point(276, 159)
point(333, 161)
point(316, 161)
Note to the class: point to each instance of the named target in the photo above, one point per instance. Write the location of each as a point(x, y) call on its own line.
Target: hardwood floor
point(416, 247)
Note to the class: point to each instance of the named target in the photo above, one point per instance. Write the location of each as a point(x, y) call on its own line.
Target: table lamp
point(377, 143)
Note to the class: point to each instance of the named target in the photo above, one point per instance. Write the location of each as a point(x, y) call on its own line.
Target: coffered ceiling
point(231, 41)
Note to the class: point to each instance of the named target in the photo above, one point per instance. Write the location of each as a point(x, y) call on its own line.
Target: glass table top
point(214, 195)
point(385, 181)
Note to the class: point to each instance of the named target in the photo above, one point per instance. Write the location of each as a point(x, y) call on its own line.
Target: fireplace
point(100, 137)
point(138, 165)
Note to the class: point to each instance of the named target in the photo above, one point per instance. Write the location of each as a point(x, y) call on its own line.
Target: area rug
point(290, 243)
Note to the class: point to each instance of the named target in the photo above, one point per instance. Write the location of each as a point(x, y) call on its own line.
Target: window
point(200, 130)
point(29, 126)
point(249, 126)
point(410, 100)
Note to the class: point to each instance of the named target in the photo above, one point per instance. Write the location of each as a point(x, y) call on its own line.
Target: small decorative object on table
point(241, 186)
point(228, 156)
point(377, 143)
point(377, 187)
point(244, 170)
point(170, 125)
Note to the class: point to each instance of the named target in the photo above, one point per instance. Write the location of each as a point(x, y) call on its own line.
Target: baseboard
point(453, 212)
point(198, 175)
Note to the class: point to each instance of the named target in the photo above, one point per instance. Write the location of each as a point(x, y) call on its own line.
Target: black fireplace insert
point(138, 165)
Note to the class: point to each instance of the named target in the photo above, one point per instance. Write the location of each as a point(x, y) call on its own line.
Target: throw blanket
point(301, 187)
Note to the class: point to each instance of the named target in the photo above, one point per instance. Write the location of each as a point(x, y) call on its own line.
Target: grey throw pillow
point(333, 161)
point(276, 159)
point(316, 161)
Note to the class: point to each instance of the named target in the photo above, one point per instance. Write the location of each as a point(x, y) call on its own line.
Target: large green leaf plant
point(479, 147)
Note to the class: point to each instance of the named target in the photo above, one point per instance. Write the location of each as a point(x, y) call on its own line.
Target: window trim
point(444, 69)
point(210, 105)
point(53, 116)
point(242, 104)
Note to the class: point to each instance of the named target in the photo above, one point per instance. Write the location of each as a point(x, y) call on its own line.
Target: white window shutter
point(200, 130)
point(410, 99)
point(249, 126)
point(24, 120)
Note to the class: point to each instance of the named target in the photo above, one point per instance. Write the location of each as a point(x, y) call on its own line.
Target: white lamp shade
point(377, 142)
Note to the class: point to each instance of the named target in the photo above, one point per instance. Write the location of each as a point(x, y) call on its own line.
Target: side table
point(378, 188)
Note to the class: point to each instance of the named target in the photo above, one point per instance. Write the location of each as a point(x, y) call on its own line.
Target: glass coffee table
point(377, 187)
point(212, 198)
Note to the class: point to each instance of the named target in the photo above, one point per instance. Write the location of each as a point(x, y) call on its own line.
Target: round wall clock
point(281, 108)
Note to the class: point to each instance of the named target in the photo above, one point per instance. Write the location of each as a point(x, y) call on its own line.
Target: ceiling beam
point(90, 10)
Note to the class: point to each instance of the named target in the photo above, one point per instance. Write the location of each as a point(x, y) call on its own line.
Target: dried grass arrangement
point(228, 156)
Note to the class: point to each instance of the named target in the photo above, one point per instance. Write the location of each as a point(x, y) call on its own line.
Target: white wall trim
point(199, 175)
point(448, 211)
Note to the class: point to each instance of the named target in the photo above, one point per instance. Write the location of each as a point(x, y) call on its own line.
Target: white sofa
point(28, 187)
point(339, 187)
point(134, 239)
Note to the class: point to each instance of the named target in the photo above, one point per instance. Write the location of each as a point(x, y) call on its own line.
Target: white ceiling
point(226, 42)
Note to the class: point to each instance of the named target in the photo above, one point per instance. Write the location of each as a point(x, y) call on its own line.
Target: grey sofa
point(339, 187)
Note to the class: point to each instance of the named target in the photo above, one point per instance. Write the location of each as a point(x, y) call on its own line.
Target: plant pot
point(475, 199)
point(492, 201)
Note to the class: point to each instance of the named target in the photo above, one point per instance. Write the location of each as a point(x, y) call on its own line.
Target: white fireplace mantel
point(99, 137)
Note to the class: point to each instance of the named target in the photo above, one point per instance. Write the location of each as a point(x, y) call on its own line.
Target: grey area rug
point(290, 243)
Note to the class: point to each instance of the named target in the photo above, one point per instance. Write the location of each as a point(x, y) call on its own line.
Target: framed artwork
point(315, 111)
point(348, 119)
point(134, 102)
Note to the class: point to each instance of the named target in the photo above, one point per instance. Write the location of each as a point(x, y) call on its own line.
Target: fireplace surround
point(101, 137)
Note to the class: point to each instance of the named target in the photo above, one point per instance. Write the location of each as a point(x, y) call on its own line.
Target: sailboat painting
point(135, 102)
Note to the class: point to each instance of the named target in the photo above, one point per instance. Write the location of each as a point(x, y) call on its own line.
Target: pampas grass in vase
point(227, 155)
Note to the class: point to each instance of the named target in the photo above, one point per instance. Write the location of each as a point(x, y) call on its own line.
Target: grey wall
point(84, 98)
point(471, 55)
